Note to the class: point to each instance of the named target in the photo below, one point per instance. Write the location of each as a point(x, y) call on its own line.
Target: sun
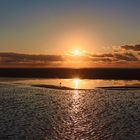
point(77, 52)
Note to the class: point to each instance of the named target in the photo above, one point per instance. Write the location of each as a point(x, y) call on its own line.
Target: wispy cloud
point(124, 54)
point(131, 47)
point(27, 59)
point(114, 57)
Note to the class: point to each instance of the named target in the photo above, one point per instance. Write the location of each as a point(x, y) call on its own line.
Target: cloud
point(27, 58)
point(121, 56)
point(125, 57)
point(103, 55)
point(114, 57)
point(131, 47)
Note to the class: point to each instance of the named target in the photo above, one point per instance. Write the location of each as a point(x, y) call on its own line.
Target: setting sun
point(77, 52)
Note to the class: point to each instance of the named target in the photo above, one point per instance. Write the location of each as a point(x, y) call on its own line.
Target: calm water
point(32, 113)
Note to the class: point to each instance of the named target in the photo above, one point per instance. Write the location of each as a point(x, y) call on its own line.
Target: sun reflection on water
point(76, 83)
point(76, 112)
point(76, 87)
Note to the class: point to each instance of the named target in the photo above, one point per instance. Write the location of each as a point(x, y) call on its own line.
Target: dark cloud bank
point(27, 58)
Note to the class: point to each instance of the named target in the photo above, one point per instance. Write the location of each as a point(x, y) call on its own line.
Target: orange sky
point(47, 33)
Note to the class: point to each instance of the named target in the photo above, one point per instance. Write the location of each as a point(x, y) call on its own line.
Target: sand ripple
point(37, 113)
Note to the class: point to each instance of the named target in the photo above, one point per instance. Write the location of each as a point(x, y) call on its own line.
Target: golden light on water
point(76, 87)
point(76, 83)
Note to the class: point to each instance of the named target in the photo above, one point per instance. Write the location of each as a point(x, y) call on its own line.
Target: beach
point(34, 113)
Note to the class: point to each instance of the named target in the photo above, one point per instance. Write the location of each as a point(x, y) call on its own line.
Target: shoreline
point(107, 87)
point(120, 87)
point(55, 87)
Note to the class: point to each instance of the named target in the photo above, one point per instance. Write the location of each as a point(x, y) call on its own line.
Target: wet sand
point(36, 113)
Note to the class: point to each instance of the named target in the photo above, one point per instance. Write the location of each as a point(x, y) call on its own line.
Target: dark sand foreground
point(35, 113)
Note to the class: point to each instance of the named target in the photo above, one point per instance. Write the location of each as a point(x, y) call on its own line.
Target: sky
point(69, 33)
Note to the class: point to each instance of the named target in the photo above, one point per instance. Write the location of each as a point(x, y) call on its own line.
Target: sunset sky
point(69, 33)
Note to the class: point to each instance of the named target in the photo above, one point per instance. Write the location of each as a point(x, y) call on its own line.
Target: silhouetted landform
point(53, 87)
point(57, 87)
point(84, 73)
point(121, 88)
point(107, 87)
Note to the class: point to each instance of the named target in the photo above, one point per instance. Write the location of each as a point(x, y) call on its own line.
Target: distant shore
point(56, 87)
point(121, 88)
point(83, 73)
point(53, 87)
point(107, 87)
